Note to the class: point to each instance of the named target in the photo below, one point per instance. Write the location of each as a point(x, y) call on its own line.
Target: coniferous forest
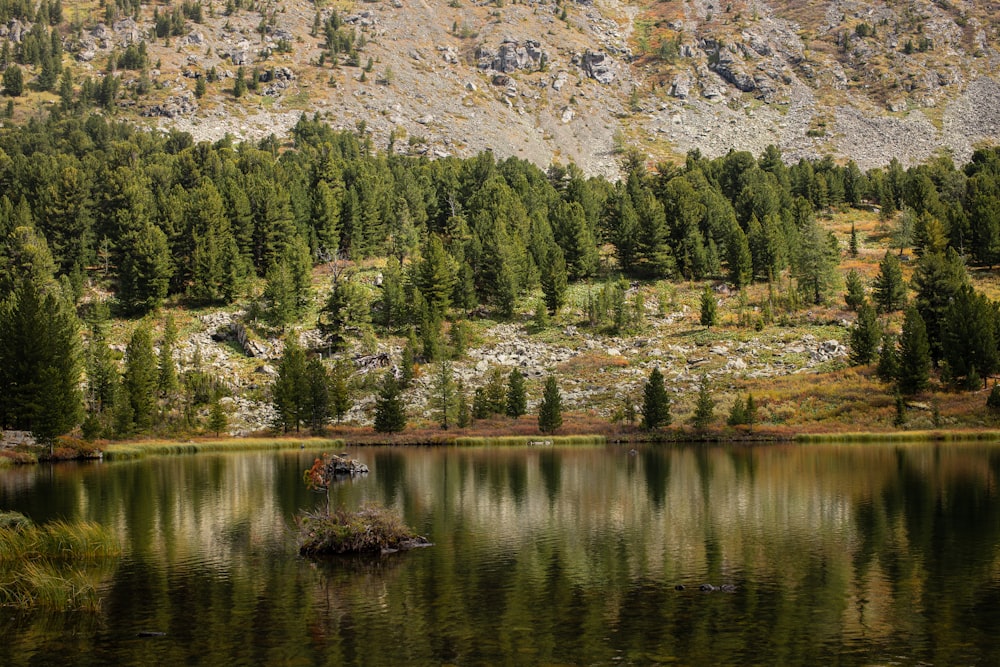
point(104, 223)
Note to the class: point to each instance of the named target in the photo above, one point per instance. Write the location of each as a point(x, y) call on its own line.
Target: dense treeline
point(225, 213)
point(158, 216)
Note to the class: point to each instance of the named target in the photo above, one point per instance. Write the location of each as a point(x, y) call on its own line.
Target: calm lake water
point(854, 554)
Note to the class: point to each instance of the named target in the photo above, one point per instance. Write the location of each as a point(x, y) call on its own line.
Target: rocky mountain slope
point(564, 81)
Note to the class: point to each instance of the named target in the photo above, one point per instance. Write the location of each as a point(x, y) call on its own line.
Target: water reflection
point(858, 554)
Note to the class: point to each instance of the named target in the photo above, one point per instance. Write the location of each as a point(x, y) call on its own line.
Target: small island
point(371, 529)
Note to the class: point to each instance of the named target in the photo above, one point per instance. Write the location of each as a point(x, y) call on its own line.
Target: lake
point(849, 554)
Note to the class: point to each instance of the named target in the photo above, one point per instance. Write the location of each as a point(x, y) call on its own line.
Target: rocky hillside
point(564, 81)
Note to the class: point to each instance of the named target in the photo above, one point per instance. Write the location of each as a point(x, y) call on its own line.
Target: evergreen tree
point(864, 336)
point(704, 407)
point(140, 378)
point(393, 302)
point(737, 413)
point(517, 400)
point(218, 421)
point(855, 295)
point(340, 393)
point(900, 419)
point(888, 359)
point(913, 374)
point(280, 303)
point(346, 310)
point(408, 360)
point(936, 280)
point(969, 336)
point(434, 276)
point(709, 315)
point(550, 409)
point(480, 406)
point(853, 246)
point(144, 271)
point(463, 417)
point(444, 395)
point(993, 400)
point(495, 392)
point(319, 399)
point(655, 402)
point(102, 372)
point(390, 415)
point(40, 365)
point(290, 391)
point(889, 288)
point(740, 261)
point(167, 369)
point(815, 261)
point(13, 81)
point(553, 280)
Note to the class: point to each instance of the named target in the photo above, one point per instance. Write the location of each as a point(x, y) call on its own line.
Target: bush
point(993, 401)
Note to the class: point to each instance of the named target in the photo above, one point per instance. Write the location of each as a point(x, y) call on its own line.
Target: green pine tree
point(140, 378)
point(864, 336)
point(913, 374)
point(517, 400)
point(737, 413)
point(855, 294)
point(40, 362)
point(888, 359)
point(463, 416)
point(290, 392)
point(444, 395)
point(167, 382)
point(889, 291)
point(655, 402)
point(390, 414)
point(709, 314)
point(318, 400)
point(218, 421)
point(550, 409)
point(553, 280)
point(704, 407)
point(340, 391)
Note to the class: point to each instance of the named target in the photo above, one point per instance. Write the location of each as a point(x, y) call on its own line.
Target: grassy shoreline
point(135, 449)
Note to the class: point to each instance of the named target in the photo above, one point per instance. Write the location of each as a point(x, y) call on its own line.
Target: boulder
point(512, 56)
point(599, 66)
point(680, 87)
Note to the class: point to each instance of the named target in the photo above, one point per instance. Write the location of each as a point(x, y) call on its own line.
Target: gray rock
point(680, 87)
point(512, 56)
point(600, 66)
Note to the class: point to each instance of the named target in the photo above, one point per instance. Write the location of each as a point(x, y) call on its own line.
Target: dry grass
point(372, 529)
point(57, 566)
point(135, 450)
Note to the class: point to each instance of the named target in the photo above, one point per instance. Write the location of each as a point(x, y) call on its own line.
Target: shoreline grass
point(135, 450)
point(58, 566)
point(521, 440)
point(900, 436)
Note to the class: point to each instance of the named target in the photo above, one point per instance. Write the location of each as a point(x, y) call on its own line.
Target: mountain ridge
point(558, 82)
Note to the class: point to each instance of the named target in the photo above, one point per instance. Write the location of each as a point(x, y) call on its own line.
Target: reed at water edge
point(58, 566)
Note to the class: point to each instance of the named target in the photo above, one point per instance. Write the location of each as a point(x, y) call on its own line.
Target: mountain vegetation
point(341, 261)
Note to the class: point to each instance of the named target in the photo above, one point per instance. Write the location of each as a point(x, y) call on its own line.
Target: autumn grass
point(371, 529)
point(134, 450)
point(519, 441)
point(902, 436)
point(58, 566)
